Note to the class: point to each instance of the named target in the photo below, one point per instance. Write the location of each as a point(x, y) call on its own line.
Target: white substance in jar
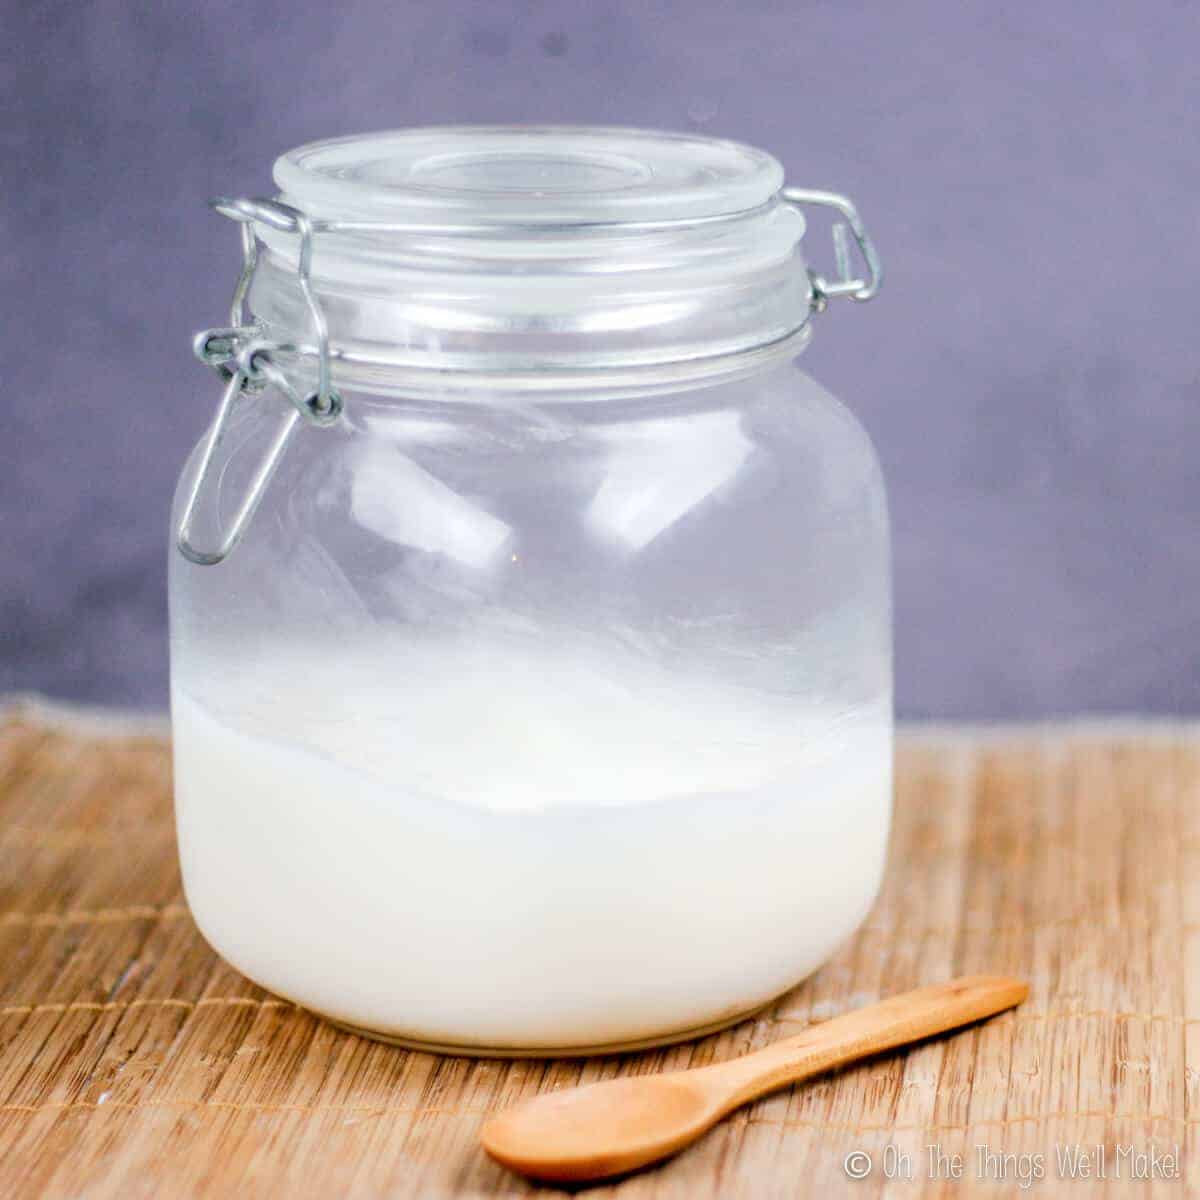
point(486, 848)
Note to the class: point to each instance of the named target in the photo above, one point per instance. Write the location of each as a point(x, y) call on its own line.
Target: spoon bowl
point(603, 1129)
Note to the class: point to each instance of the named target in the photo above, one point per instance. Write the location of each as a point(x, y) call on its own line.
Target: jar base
point(573, 1051)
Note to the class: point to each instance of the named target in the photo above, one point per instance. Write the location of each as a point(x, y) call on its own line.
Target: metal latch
point(847, 283)
point(243, 358)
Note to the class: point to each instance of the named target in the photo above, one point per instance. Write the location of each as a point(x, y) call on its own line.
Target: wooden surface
point(133, 1062)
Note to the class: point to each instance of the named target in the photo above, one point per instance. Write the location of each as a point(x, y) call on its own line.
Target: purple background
point(1029, 374)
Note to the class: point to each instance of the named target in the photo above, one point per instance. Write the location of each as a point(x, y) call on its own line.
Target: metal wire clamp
point(242, 358)
point(847, 283)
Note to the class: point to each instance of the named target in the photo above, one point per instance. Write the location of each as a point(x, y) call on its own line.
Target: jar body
point(549, 725)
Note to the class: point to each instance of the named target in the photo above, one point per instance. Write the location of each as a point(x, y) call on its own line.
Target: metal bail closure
point(207, 558)
point(242, 358)
point(847, 283)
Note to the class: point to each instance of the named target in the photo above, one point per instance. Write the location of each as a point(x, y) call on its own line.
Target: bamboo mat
point(133, 1062)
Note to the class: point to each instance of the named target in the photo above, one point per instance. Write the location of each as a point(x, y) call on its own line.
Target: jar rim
point(548, 253)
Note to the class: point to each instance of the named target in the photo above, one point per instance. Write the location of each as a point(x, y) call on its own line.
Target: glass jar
point(530, 618)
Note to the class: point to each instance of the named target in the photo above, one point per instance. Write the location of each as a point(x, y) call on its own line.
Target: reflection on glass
point(402, 502)
point(660, 470)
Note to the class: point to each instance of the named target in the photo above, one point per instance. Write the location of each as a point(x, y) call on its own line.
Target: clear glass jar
point(539, 698)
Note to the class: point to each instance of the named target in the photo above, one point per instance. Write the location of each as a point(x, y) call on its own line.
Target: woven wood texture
point(133, 1062)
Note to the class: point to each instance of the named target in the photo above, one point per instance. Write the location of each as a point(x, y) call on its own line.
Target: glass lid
point(535, 176)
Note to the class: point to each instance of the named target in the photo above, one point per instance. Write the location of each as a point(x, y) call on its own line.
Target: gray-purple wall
point(1031, 172)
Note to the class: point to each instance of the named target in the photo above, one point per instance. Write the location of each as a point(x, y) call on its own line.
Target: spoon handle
point(894, 1022)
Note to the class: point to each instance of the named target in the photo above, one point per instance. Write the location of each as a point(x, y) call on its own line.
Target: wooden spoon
point(610, 1128)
